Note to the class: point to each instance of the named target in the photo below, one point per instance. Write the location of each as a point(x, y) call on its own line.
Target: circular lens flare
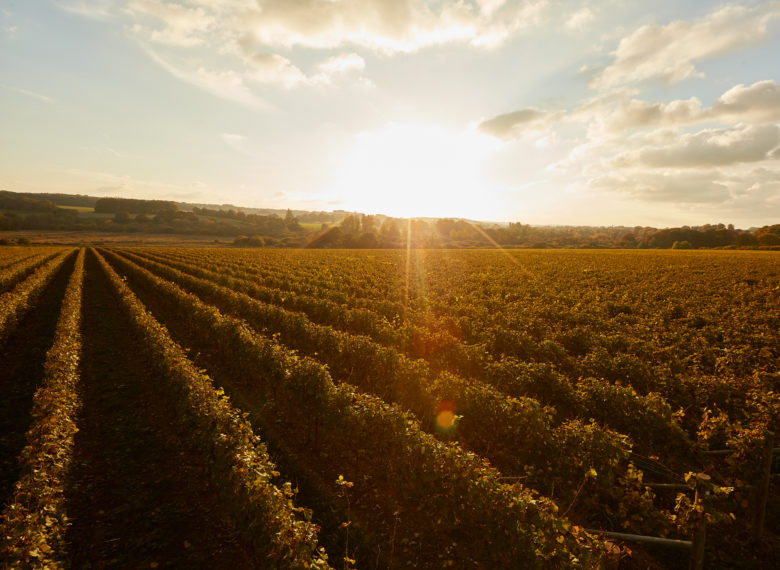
point(445, 416)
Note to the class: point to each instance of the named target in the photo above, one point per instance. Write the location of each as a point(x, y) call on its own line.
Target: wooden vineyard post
point(762, 486)
point(700, 529)
point(697, 550)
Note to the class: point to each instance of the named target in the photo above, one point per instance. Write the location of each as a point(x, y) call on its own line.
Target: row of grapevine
point(383, 371)
point(605, 347)
point(32, 531)
point(620, 340)
point(290, 282)
point(16, 271)
point(15, 302)
point(515, 433)
point(238, 460)
point(10, 256)
point(440, 348)
point(417, 471)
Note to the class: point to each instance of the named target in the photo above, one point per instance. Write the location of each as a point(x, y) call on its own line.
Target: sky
point(540, 111)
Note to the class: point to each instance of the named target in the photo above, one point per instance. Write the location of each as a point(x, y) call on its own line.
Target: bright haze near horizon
point(544, 112)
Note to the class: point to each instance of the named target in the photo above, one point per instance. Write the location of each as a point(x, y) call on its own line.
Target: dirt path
point(21, 371)
point(138, 495)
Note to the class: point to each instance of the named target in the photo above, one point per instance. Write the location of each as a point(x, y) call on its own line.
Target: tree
point(389, 229)
point(350, 224)
point(368, 223)
point(291, 222)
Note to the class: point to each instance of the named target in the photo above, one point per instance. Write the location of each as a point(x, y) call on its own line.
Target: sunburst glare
point(419, 170)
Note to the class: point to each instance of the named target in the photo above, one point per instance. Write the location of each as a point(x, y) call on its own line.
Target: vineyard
point(185, 407)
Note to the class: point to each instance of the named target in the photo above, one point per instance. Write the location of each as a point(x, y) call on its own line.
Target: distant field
point(433, 408)
point(82, 209)
point(105, 238)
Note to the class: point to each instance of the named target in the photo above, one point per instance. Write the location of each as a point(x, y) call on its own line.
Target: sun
point(411, 170)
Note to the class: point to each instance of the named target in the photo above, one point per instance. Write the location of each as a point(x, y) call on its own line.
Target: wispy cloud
point(181, 25)
point(92, 9)
point(227, 85)
point(580, 19)
point(28, 93)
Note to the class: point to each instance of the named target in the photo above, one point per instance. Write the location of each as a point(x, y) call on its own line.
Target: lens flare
point(445, 416)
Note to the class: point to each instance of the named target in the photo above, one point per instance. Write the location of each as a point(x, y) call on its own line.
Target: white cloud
point(273, 68)
point(342, 64)
point(28, 93)
point(757, 102)
point(636, 113)
point(669, 52)
point(512, 125)
point(580, 19)
point(733, 194)
point(247, 40)
point(617, 111)
point(227, 85)
point(339, 66)
point(707, 148)
point(250, 42)
point(105, 183)
point(237, 143)
point(670, 186)
point(92, 9)
point(389, 26)
point(232, 138)
point(182, 25)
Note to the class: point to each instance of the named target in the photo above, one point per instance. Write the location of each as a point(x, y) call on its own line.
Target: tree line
point(363, 231)
point(340, 229)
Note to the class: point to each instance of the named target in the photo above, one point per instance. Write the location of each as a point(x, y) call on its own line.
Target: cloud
point(250, 42)
point(92, 9)
point(732, 194)
point(182, 25)
point(389, 26)
point(708, 148)
point(671, 186)
point(227, 85)
point(28, 93)
point(580, 19)
point(635, 113)
point(273, 68)
point(342, 64)
point(339, 66)
point(232, 138)
point(237, 143)
point(511, 125)
point(669, 52)
point(105, 183)
point(758, 102)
